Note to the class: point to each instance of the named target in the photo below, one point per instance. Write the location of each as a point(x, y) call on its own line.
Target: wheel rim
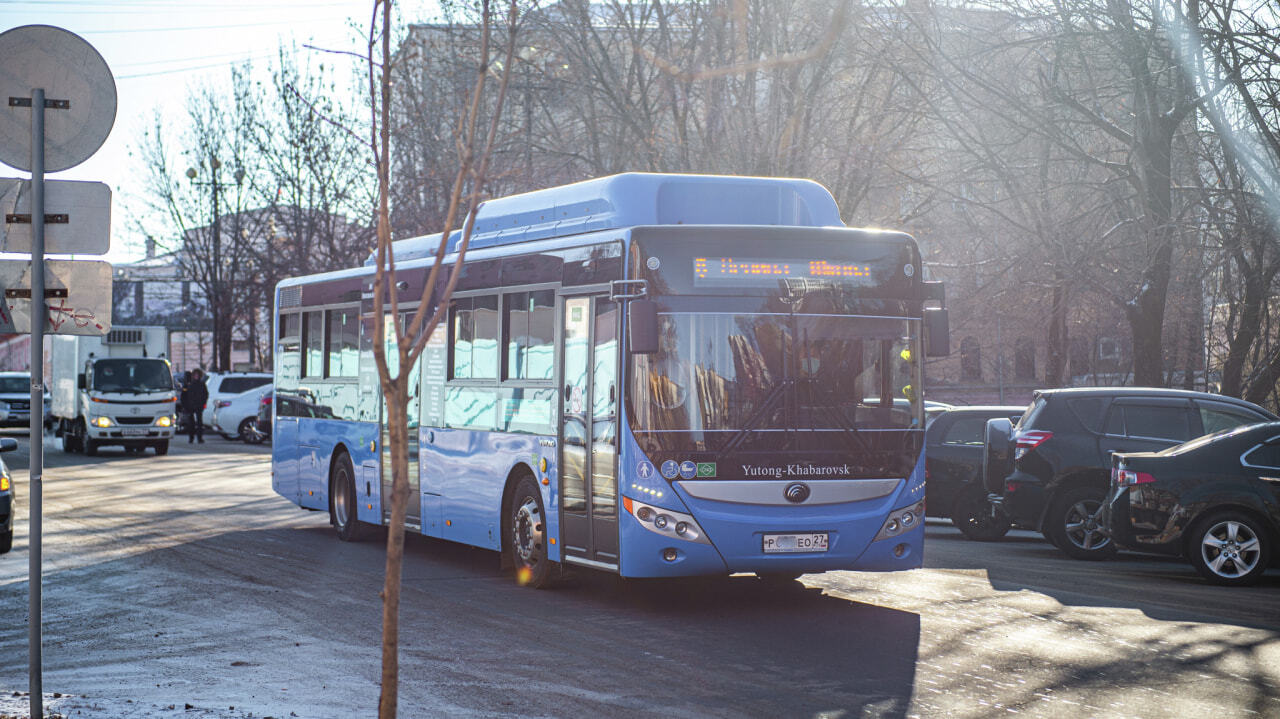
point(1084, 525)
point(1230, 549)
point(341, 507)
point(245, 428)
point(526, 531)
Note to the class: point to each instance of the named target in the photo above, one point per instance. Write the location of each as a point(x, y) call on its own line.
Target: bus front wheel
point(528, 541)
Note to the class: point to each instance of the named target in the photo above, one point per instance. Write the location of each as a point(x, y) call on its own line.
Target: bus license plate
point(135, 432)
point(780, 543)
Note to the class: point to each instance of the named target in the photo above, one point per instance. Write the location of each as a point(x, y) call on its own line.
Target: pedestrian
point(195, 394)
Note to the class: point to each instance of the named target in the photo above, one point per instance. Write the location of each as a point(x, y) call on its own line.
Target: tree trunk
point(398, 429)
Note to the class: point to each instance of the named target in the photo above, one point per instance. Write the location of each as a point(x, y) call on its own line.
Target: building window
point(970, 360)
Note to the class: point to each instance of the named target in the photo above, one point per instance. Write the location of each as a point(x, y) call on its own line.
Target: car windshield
point(15, 385)
point(132, 375)
point(726, 381)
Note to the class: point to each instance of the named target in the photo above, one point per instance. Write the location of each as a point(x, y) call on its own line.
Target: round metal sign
point(80, 96)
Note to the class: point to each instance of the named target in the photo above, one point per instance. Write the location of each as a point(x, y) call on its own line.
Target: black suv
point(1051, 472)
point(953, 469)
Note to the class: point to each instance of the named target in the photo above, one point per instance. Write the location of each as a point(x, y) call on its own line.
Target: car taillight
point(265, 401)
point(1029, 440)
point(1128, 477)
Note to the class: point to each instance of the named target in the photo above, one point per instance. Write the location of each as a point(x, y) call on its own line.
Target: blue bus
point(648, 374)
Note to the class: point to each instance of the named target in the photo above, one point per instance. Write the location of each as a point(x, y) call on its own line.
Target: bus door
point(413, 508)
point(589, 430)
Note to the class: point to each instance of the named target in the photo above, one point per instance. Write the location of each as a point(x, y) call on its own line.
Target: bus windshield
point(722, 380)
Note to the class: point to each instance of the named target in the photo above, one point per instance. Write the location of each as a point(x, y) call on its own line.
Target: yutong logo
point(797, 470)
point(796, 492)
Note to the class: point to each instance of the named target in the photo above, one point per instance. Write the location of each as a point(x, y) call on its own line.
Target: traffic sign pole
point(38, 318)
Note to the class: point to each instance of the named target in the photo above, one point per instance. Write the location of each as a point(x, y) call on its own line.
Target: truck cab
point(124, 396)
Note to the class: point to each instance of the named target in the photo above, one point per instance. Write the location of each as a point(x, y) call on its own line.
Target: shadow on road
point(1162, 587)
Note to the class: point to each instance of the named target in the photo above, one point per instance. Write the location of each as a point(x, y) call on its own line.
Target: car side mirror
point(8, 444)
point(937, 332)
point(642, 327)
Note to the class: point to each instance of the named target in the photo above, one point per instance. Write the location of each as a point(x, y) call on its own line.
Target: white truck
point(113, 390)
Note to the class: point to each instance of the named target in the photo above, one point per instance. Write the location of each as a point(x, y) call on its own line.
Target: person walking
point(195, 395)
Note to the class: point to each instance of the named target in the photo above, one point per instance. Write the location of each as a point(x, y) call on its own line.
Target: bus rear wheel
point(342, 500)
point(528, 539)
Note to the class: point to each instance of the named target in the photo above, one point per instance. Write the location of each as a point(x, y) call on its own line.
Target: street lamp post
point(221, 360)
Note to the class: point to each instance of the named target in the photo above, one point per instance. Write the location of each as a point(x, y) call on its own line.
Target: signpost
point(51, 74)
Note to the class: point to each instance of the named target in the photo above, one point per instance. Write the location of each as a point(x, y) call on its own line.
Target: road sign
point(80, 96)
point(77, 293)
point(77, 216)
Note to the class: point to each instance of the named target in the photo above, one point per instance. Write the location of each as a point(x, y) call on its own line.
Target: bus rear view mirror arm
point(642, 326)
point(937, 332)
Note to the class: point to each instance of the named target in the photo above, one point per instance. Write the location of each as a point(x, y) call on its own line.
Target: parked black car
point(953, 469)
point(1214, 500)
point(8, 502)
point(1052, 471)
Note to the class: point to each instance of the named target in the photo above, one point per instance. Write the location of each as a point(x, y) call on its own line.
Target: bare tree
point(201, 191)
point(410, 337)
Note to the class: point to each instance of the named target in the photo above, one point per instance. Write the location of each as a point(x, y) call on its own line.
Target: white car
point(233, 416)
point(225, 385)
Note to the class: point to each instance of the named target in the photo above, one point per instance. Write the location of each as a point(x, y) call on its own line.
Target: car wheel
point(247, 427)
point(6, 541)
point(1230, 548)
point(528, 540)
point(255, 435)
point(162, 447)
point(977, 518)
point(342, 500)
point(1074, 524)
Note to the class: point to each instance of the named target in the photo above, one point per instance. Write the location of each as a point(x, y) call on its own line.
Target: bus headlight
point(673, 525)
point(102, 421)
point(164, 421)
point(901, 520)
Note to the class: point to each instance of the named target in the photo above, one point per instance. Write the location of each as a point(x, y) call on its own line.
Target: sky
point(156, 49)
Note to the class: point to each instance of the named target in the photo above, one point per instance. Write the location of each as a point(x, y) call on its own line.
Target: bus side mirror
point(80, 381)
point(642, 327)
point(937, 332)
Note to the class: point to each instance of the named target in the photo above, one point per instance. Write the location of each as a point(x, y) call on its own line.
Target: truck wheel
point(1074, 524)
point(90, 447)
point(6, 541)
point(976, 518)
point(162, 447)
point(69, 442)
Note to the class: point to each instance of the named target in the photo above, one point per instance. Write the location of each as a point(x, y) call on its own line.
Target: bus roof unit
point(636, 198)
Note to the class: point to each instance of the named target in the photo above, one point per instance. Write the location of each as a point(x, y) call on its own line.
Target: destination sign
point(713, 271)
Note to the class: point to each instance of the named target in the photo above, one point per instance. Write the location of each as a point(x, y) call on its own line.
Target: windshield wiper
point(771, 401)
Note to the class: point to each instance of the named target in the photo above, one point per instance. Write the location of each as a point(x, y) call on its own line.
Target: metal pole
point(214, 302)
point(39, 315)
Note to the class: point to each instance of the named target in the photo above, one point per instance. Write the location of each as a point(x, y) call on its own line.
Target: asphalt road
point(182, 586)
